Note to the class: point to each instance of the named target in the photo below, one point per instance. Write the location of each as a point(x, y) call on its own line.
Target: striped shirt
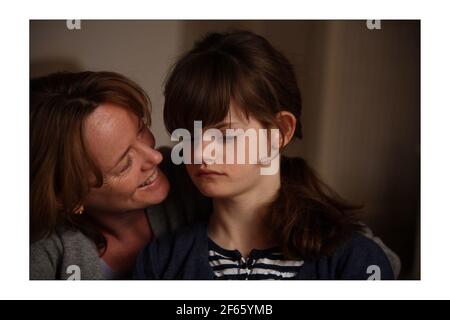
point(260, 265)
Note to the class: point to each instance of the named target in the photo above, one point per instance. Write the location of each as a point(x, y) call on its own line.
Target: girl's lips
point(209, 173)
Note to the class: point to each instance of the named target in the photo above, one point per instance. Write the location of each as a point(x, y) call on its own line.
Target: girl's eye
point(229, 138)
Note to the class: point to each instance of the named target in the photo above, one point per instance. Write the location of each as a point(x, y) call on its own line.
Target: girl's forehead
point(236, 114)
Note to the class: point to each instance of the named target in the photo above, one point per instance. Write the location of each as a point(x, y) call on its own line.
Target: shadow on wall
point(43, 67)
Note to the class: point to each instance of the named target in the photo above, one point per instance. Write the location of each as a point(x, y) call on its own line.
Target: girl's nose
point(199, 153)
point(209, 156)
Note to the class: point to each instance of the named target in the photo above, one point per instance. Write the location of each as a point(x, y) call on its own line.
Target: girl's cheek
point(190, 169)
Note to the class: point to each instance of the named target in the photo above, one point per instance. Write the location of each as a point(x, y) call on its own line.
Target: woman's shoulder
point(45, 256)
point(361, 258)
point(64, 254)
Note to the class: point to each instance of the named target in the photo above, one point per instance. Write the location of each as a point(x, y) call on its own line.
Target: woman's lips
point(151, 181)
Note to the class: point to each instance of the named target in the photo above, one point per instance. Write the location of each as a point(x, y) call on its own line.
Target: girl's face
point(123, 148)
point(228, 180)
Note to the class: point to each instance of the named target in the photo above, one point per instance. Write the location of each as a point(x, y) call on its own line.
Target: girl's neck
point(239, 222)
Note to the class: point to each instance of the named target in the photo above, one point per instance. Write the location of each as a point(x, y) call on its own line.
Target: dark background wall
point(361, 99)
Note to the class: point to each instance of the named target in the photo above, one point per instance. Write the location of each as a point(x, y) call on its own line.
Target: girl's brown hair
point(60, 164)
point(308, 219)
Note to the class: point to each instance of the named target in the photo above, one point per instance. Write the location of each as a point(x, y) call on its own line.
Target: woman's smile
point(151, 183)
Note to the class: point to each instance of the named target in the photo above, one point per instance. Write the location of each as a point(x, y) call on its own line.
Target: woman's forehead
point(109, 130)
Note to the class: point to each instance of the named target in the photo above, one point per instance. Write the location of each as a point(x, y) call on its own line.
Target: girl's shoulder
point(360, 258)
point(174, 255)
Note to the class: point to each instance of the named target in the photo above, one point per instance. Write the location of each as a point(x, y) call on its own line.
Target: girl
point(288, 225)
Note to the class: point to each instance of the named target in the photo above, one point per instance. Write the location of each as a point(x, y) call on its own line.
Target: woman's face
point(123, 148)
point(229, 180)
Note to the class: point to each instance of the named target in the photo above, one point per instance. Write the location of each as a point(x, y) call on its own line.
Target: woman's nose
point(151, 158)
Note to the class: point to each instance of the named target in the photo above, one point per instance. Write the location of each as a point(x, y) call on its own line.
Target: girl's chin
point(215, 193)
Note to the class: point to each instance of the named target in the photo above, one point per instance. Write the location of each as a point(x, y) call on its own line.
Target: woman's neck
point(239, 222)
point(126, 233)
point(120, 225)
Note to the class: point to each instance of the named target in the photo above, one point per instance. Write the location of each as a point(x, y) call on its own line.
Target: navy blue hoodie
point(184, 255)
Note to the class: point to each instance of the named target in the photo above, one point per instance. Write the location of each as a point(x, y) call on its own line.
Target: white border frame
point(14, 268)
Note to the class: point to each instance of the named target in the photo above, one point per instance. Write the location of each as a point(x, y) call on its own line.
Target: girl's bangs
point(202, 91)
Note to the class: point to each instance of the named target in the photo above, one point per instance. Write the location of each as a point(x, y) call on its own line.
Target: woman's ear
point(78, 210)
point(287, 123)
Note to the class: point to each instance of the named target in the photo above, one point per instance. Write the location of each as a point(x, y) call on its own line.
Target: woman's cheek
point(127, 184)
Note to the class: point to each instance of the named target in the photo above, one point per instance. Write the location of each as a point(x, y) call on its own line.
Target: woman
point(285, 225)
point(94, 174)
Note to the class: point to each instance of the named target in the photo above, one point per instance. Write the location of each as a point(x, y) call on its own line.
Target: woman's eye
point(127, 166)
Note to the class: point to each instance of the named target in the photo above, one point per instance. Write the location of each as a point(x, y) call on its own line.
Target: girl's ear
point(287, 122)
